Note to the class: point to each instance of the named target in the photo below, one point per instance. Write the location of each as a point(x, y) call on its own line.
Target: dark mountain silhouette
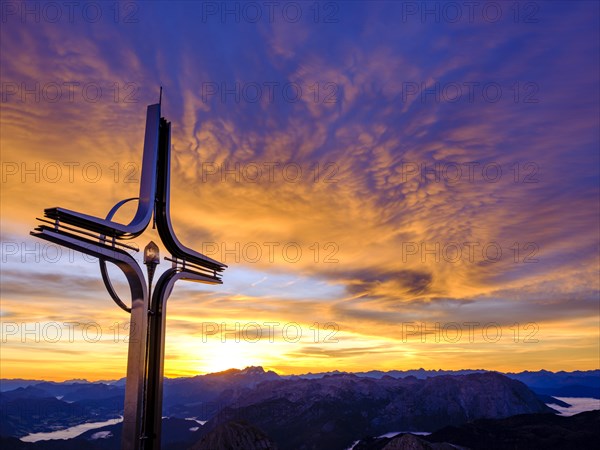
point(314, 411)
point(204, 395)
point(25, 392)
point(402, 442)
point(235, 435)
point(76, 391)
point(15, 383)
point(177, 434)
point(562, 384)
point(331, 412)
point(548, 399)
point(11, 443)
point(45, 406)
point(418, 373)
point(25, 415)
point(526, 432)
point(94, 392)
point(521, 432)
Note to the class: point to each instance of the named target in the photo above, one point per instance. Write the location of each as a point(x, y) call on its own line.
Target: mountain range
point(313, 411)
point(522, 432)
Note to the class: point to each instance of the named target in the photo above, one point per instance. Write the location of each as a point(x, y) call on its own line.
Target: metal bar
point(163, 214)
point(136, 357)
point(58, 226)
point(187, 265)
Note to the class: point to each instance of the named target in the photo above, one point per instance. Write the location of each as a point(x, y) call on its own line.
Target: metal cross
point(103, 238)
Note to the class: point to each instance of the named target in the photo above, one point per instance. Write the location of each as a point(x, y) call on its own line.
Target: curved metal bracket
point(163, 214)
point(102, 262)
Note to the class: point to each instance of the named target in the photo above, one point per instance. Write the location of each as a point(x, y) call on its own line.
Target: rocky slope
point(235, 435)
point(526, 432)
point(403, 442)
point(204, 395)
point(333, 411)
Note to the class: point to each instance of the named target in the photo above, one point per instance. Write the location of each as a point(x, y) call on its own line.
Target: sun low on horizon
point(388, 191)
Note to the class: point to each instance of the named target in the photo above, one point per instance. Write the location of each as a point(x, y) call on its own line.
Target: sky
point(393, 185)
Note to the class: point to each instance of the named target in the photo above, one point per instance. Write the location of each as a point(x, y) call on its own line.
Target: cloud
point(373, 198)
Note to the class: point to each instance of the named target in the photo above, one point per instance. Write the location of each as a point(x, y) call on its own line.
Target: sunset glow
point(375, 219)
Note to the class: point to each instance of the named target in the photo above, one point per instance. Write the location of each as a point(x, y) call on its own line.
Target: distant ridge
point(578, 383)
point(417, 373)
point(13, 383)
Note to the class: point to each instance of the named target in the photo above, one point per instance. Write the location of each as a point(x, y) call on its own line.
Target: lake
point(69, 433)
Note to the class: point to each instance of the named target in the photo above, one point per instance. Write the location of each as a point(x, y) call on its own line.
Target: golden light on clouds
point(377, 212)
